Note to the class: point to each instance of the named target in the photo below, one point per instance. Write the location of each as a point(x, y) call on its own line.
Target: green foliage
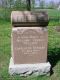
point(5, 43)
point(5, 53)
point(42, 4)
point(32, 4)
point(52, 5)
point(19, 5)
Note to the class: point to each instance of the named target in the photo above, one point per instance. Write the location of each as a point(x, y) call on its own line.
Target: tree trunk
point(28, 5)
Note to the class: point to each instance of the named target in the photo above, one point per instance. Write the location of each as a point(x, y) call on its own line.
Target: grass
point(5, 53)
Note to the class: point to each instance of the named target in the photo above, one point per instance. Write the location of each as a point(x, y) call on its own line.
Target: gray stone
point(28, 69)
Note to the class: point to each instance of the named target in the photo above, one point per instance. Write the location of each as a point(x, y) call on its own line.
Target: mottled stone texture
point(29, 40)
point(29, 19)
point(29, 69)
point(29, 45)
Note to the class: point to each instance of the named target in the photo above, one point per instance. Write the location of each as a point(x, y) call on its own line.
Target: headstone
point(29, 45)
point(29, 42)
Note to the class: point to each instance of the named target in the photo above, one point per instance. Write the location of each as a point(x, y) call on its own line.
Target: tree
point(20, 5)
point(51, 5)
point(28, 5)
point(42, 4)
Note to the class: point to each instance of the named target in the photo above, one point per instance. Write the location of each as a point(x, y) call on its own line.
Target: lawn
point(5, 53)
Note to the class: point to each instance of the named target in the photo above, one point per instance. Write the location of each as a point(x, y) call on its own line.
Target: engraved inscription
point(29, 45)
point(30, 42)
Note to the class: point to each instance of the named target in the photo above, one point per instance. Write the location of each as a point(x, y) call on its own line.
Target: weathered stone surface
point(29, 69)
point(29, 41)
point(29, 45)
point(28, 18)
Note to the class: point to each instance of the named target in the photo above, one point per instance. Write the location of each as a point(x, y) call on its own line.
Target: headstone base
point(29, 69)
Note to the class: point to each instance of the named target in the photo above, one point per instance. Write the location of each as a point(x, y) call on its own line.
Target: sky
point(52, 0)
point(47, 1)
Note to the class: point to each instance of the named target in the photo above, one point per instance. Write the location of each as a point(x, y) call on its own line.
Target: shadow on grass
point(53, 57)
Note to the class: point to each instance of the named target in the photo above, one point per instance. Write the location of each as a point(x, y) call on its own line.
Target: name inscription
point(30, 42)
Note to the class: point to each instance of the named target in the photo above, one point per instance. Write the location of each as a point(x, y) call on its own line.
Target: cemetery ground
point(5, 53)
point(53, 52)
